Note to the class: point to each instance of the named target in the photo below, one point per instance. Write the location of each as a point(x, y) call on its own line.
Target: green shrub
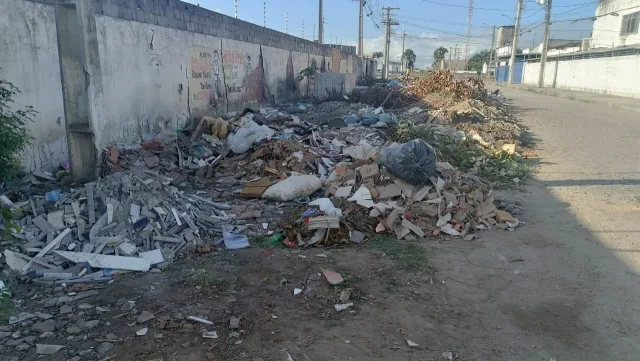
point(14, 134)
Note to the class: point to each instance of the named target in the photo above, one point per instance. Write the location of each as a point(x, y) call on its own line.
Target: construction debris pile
point(443, 81)
point(258, 174)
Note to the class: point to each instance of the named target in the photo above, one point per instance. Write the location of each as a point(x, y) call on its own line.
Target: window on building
point(630, 23)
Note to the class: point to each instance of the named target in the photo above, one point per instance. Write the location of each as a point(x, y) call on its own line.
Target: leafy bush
point(14, 134)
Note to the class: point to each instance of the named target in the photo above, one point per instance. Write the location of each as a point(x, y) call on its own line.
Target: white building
point(616, 24)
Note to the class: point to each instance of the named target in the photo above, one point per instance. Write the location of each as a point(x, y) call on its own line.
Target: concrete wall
point(613, 75)
point(29, 60)
point(153, 65)
point(606, 29)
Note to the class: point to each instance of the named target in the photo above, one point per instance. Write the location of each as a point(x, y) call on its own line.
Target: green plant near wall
point(308, 73)
point(14, 134)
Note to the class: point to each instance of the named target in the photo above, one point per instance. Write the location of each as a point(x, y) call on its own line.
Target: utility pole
point(264, 12)
point(493, 46)
point(387, 42)
point(467, 47)
point(235, 6)
point(361, 30)
point(450, 51)
point(545, 43)
point(514, 44)
point(286, 22)
point(404, 36)
point(320, 21)
point(314, 33)
point(303, 29)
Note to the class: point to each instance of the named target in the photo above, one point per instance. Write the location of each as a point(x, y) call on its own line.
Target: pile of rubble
point(263, 173)
point(443, 81)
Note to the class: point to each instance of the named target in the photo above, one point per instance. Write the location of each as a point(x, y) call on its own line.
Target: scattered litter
point(42, 349)
point(293, 187)
point(334, 278)
point(233, 240)
point(142, 331)
point(210, 334)
point(362, 197)
point(342, 307)
point(201, 320)
point(297, 291)
point(412, 344)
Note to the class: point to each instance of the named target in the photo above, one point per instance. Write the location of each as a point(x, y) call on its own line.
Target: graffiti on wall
point(205, 85)
point(243, 76)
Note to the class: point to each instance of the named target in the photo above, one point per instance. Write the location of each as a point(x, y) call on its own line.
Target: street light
point(508, 17)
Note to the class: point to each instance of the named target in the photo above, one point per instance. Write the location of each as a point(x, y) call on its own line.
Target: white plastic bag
point(327, 207)
point(243, 139)
point(293, 187)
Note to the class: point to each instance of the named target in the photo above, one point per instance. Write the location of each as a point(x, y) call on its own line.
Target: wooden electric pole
point(387, 42)
point(545, 43)
point(514, 43)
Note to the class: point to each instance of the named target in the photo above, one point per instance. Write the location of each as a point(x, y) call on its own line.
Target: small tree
point(410, 57)
point(309, 73)
point(377, 55)
point(438, 56)
point(14, 134)
point(477, 61)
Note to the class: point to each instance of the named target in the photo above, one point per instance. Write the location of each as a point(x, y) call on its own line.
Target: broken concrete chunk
point(389, 191)
point(369, 170)
point(356, 237)
point(48, 349)
point(103, 261)
point(153, 257)
point(127, 249)
point(413, 228)
point(362, 197)
point(334, 278)
point(56, 219)
point(145, 316)
point(401, 231)
point(504, 217)
point(343, 192)
point(255, 189)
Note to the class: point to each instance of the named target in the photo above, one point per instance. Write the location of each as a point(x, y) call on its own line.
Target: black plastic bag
point(413, 162)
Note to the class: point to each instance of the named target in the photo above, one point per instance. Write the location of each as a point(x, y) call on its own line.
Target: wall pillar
point(77, 76)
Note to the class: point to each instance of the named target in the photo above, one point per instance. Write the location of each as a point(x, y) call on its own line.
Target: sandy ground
point(564, 286)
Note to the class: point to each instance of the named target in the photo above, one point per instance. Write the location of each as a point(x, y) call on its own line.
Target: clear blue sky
point(429, 23)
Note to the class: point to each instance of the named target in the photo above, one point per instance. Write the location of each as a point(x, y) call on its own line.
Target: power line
point(462, 6)
point(425, 20)
point(439, 30)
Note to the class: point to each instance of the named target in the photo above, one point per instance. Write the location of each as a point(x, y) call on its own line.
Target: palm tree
point(410, 56)
point(438, 55)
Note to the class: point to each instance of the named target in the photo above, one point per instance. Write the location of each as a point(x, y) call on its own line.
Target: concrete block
point(163, 21)
point(125, 13)
point(177, 14)
point(129, 4)
point(191, 26)
point(151, 18)
point(182, 25)
point(110, 10)
point(173, 22)
point(139, 15)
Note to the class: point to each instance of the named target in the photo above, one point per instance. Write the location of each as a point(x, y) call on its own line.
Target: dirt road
point(566, 286)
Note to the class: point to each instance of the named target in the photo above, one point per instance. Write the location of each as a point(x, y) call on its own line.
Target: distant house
point(453, 65)
point(617, 24)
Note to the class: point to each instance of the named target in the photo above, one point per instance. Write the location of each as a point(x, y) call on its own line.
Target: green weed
point(408, 256)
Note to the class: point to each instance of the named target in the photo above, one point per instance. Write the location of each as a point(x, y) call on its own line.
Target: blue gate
point(502, 73)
